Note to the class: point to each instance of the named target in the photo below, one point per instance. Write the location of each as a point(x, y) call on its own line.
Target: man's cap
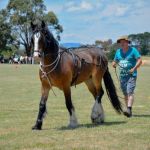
point(124, 38)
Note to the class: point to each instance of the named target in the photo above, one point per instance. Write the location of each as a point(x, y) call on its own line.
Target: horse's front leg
point(42, 107)
point(73, 120)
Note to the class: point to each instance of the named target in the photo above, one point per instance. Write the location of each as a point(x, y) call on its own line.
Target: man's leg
point(126, 100)
point(130, 100)
point(123, 85)
point(130, 90)
point(130, 103)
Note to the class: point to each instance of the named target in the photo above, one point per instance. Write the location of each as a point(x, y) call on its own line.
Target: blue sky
point(85, 21)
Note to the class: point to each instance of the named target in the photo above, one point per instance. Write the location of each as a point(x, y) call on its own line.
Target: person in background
point(129, 60)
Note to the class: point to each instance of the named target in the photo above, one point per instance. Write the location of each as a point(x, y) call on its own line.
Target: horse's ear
point(33, 26)
point(43, 24)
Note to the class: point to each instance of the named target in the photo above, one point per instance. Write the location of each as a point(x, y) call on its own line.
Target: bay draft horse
point(63, 69)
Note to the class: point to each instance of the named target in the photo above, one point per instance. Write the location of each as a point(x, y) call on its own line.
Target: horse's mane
point(52, 43)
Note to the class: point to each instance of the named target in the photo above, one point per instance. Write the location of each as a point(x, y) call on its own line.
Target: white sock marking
point(97, 115)
point(73, 120)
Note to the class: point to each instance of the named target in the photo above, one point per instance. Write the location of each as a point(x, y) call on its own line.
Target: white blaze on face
point(36, 44)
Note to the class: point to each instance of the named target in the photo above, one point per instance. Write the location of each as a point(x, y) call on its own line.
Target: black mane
point(51, 43)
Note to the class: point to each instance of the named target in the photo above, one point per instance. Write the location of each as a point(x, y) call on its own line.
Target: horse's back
point(78, 65)
point(90, 54)
point(92, 51)
point(93, 54)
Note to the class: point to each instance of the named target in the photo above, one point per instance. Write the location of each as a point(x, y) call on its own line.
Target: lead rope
point(117, 76)
point(45, 74)
point(118, 81)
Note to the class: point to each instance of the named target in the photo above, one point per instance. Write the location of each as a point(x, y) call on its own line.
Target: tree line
point(141, 41)
point(15, 22)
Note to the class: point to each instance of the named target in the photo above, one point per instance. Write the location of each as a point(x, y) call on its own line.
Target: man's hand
point(131, 70)
point(114, 64)
point(138, 63)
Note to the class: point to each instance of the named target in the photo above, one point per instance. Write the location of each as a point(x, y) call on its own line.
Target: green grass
point(19, 99)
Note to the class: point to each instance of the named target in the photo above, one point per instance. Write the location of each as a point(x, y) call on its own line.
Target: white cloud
point(86, 5)
point(140, 4)
point(82, 6)
point(116, 10)
point(56, 8)
point(69, 35)
point(102, 19)
point(73, 37)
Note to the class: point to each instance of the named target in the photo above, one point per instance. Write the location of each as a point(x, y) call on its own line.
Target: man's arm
point(138, 64)
point(114, 64)
point(115, 61)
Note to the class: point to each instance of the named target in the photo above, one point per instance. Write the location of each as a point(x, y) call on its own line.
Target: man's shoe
point(128, 113)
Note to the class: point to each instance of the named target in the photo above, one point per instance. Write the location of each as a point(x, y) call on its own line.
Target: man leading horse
point(129, 60)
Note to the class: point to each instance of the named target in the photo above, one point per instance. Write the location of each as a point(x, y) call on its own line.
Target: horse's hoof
point(73, 125)
point(37, 126)
point(97, 120)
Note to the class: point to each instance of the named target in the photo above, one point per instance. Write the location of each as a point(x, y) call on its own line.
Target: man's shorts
point(128, 85)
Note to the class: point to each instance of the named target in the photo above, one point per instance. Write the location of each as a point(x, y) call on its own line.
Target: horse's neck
point(51, 57)
point(52, 49)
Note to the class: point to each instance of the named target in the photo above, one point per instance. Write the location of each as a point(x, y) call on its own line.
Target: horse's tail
point(111, 91)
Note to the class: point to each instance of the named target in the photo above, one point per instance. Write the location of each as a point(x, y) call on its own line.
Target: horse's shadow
point(142, 116)
point(90, 125)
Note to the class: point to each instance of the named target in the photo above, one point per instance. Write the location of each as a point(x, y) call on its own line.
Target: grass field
point(19, 100)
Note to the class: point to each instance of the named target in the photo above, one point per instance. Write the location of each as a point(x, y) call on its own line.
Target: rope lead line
point(45, 74)
point(118, 82)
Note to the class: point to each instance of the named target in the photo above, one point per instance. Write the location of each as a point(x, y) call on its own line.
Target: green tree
point(6, 39)
point(142, 41)
point(104, 44)
point(112, 51)
point(22, 12)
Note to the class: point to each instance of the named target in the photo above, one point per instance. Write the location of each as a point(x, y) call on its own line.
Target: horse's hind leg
point(97, 115)
point(73, 120)
point(42, 107)
point(91, 87)
point(95, 87)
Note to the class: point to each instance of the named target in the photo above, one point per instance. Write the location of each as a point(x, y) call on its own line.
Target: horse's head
point(43, 41)
point(38, 38)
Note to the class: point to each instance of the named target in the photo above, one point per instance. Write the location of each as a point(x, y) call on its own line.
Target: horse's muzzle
point(36, 54)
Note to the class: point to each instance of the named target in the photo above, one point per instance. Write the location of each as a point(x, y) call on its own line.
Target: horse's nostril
point(39, 55)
